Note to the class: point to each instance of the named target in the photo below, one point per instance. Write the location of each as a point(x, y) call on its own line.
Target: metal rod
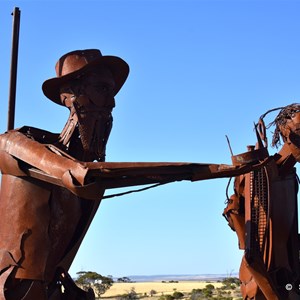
point(13, 69)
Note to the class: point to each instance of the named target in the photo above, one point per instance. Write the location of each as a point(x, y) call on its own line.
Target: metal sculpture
point(43, 224)
point(263, 212)
point(53, 184)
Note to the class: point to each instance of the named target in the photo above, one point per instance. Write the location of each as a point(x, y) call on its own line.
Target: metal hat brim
point(118, 67)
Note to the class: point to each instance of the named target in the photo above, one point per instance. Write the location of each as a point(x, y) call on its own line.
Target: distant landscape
point(175, 287)
point(162, 287)
point(185, 277)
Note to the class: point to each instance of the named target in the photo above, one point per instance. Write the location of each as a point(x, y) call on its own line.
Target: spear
point(13, 68)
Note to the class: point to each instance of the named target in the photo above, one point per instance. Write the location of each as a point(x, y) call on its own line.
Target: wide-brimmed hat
point(74, 63)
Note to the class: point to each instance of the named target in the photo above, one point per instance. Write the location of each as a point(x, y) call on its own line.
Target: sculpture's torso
point(48, 223)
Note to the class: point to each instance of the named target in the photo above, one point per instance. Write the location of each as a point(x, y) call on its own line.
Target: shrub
point(229, 282)
point(152, 292)
point(178, 295)
point(196, 294)
point(210, 287)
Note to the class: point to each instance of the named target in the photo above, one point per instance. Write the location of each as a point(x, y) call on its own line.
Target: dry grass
point(121, 288)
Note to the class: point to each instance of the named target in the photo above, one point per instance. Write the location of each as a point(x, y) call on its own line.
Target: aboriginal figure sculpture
point(263, 212)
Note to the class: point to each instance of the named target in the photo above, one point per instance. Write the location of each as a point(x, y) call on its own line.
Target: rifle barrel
point(13, 69)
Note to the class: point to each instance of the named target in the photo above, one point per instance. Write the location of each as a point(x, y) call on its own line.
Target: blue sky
point(199, 70)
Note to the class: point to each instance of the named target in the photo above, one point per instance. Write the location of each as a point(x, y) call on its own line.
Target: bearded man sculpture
point(43, 224)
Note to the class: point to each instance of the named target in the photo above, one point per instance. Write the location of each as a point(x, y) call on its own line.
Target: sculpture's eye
point(102, 88)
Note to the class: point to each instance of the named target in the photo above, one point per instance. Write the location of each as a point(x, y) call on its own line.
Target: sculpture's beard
point(94, 130)
point(86, 133)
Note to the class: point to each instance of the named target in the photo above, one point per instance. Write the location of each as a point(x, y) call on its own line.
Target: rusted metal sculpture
point(52, 184)
point(263, 212)
point(42, 224)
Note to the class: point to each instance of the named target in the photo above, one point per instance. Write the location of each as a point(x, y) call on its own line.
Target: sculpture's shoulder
point(36, 134)
point(15, 136)
point(39, 135)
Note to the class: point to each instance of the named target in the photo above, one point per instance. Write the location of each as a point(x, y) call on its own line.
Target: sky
point(199, 70)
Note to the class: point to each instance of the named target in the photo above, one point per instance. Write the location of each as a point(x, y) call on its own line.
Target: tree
point(92, 280)
point(124, 279)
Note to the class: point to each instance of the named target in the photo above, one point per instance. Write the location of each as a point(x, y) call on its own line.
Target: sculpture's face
point(91, 98)
point(89, 91)
point(289, 125)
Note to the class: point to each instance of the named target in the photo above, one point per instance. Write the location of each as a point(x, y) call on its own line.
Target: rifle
point(13, 68)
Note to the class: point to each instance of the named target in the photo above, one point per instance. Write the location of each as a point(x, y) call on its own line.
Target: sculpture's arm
point(21, 156)
point(19, 153)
